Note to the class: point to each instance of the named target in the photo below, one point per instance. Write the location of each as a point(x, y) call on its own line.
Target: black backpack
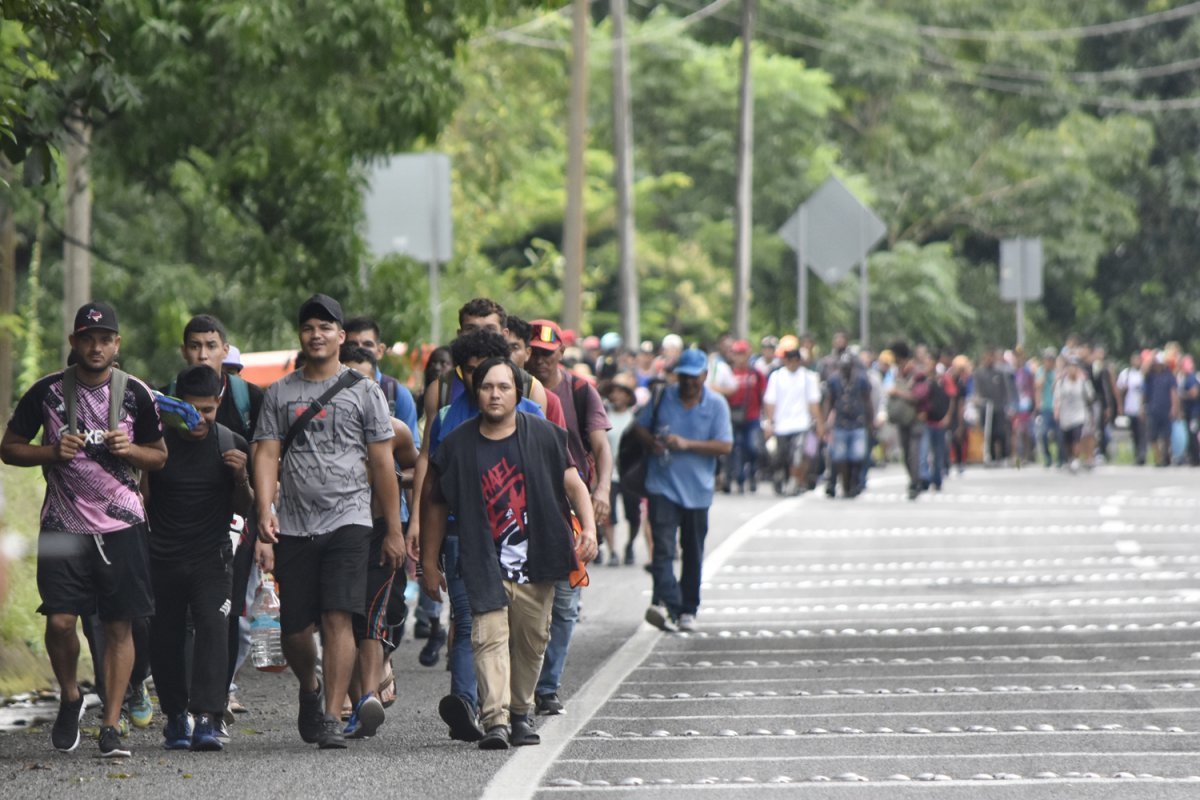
point(632, 455)
point(939, 400)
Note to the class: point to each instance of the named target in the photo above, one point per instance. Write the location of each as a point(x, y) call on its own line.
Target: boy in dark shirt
point(190, 504)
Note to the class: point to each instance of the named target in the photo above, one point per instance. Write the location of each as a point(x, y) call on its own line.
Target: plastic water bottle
point(265, 647)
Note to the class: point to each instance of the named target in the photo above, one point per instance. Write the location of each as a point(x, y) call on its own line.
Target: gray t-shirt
point(323, 478)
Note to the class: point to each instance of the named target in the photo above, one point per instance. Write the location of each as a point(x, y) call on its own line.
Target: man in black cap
point(320, 433)
point(99, 426)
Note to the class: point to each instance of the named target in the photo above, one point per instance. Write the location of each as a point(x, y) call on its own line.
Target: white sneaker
point(687, 623)
point(661, 618)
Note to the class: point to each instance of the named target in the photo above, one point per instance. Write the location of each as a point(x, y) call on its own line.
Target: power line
point(667, 30)
point(953, 70)
point(1115, 27)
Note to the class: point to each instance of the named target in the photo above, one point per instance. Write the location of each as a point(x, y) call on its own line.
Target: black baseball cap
point(321, 306)
point(94, 315)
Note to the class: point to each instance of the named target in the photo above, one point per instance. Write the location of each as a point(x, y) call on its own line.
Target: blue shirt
point(687, 479)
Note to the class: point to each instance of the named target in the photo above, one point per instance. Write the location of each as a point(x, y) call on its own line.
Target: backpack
point(241, 398)
point(939, 401)
point(116, 398)
point(633, 456)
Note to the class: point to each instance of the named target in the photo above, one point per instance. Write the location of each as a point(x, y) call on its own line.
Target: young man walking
point(587, 439)
point(92, 545)
point(317, 535)
point(507, 478)
point(189, 504)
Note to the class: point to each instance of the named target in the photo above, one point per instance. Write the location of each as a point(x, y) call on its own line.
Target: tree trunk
point(745, 182)
point(574, 233)
point(627, 280)
point(8, 294)
point(77, 252)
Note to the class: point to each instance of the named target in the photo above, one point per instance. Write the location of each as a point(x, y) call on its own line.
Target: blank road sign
point(839, 231)
point(1021, 269)
point(407, 206)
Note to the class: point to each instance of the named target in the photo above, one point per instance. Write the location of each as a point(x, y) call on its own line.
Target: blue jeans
point(462, 657)
point(563, 617)
point(744, 460)
point(935, 457)
point(1050, 433)
point(679, 596)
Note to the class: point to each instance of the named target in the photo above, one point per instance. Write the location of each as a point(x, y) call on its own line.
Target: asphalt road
point(1022, 634)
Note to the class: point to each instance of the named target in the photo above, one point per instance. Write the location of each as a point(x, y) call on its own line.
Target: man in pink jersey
point(92, 552)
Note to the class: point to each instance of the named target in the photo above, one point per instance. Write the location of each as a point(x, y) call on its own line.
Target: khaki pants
point(509, 644)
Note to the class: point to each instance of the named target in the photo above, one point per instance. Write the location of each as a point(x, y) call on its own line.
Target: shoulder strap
point(241, 400)
point(580, 400)
point(116, 396)
point(347, 378)
point(659, 391)
point(444, 383)
point(225, 440)
point(70, 401)
point(526, 383)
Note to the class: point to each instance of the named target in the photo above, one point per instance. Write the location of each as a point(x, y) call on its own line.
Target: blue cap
point(691, 362)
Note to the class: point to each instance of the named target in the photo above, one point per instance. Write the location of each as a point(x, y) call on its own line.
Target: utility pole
point(77, 255)
point(574, 233)
point(743, 230)
point(627, 281)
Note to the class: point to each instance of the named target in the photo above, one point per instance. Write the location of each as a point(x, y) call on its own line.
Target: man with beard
point(92, 551)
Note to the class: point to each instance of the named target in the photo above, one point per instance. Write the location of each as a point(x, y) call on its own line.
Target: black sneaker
point(495, 739)
point(331, 736)
point(110, 744)
point(432, 651)
point(523, 733)
point(65, 733)
point(456, 712)
point(312, 715)
point(548, 705)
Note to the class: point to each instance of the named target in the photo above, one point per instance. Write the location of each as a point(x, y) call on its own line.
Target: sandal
point(387, 690)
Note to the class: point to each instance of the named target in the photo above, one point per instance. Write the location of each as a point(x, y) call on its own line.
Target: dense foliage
point(232, 138)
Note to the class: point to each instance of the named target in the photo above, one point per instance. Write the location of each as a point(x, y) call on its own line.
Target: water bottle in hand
point(266, 649)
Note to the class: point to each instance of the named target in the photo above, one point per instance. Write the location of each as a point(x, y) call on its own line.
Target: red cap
point(740, 346)
point(546, 335)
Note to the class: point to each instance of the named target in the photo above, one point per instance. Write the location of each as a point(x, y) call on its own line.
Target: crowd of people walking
point(492, 486)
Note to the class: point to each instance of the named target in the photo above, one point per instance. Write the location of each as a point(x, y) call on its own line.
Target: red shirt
point(749, 393)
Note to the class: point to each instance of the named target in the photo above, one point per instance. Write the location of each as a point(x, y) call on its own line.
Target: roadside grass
point(23, 664)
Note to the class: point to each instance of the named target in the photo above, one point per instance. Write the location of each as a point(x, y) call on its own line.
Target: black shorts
point(373, 624)
point(631, 504)
point(82, 574)
point(320, 573)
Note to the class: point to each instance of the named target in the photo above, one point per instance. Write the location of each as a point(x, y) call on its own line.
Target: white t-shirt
point(791, 393)
point(620, 421)
point(1133, 383)
point(720, 375)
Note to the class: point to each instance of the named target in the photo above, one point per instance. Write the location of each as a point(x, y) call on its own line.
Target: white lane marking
point(887, 757)
point(1128, 547)
point(521, 775)
point(991, 676)
point(1141, 712)
point(969, 531)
